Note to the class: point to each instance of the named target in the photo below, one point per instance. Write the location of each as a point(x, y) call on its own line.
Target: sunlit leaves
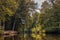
point(51, 16)
point(9, 12)
point(38, 32)
point(0, 2)
point(8, 7)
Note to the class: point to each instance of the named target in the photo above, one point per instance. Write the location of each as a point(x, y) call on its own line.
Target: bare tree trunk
point(14, 25)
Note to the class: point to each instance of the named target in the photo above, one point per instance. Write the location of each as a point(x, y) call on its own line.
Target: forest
point(22, 18)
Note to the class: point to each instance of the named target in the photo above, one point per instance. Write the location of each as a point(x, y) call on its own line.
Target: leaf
point(10, 13)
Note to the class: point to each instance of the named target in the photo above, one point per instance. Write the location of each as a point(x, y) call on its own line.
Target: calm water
point(1, 38)
point(52, 37)
point(47, 37)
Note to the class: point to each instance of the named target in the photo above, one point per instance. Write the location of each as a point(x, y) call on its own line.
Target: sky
point(39, 2)
point(39, 5)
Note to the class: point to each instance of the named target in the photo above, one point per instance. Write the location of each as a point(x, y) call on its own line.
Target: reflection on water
point(1, 38)
point(47, 37)
point(52, 37)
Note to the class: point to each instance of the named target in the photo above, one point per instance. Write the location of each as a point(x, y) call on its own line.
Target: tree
point(7, 10)
point(23, 12)
point(51, 15)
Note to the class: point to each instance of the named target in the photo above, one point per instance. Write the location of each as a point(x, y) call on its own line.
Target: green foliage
point(8, 7)
point(51, 16)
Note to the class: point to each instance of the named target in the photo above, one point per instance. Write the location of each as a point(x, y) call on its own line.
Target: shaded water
point(52, 37)
point(47, 37)
point(2, 38)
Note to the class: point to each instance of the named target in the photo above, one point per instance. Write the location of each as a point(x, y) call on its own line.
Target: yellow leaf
point(10, 13)
point(0, 2)
point(33, 35)
point(44, 31)
point(44, 34)
point(33, 29)
point(38, 36)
